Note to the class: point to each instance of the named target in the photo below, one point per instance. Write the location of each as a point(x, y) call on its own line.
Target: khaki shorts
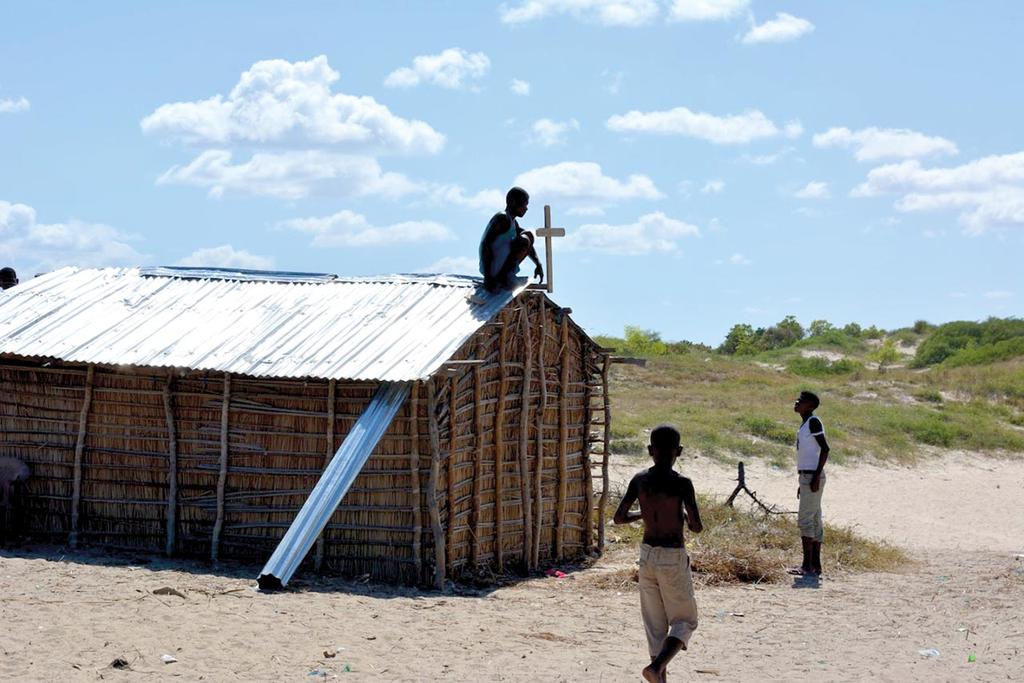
point(666, 596)
point(809, 516)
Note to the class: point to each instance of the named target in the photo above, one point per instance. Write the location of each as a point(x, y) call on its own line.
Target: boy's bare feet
point(652, 675)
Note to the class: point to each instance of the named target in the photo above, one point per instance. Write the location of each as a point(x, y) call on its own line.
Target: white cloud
point(463, 265)
point(768, 159)
point(816, 189)
point(998, 294)
point(988, 192)
point(226, 256)
point(584, 183)
point(605, 12)
point(613, 81)
point(519, 87)
point(485, 200)
point(453, 69)
point(784, 27)
point(549, 133)
point(653, 232)
point(290, 175)
point(9, 106)
point(706, 10)
point(291, 104)
point(715, 186)
point(349, 229)
point(723, 130)
point(738, 259)
point(873, 144)
point(45, 246)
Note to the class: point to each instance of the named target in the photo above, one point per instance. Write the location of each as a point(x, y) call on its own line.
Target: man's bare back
point(667, 502)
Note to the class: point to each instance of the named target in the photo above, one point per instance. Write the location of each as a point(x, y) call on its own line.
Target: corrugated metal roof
point(264, 324)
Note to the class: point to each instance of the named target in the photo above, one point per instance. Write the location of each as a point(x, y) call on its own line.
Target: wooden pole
point(538, 475)
point(602, 506)
point(478, 456)
point(453, 428)
point(332, 386)
point(524, 437)
point(414, 473)
point(563, 442)
point(76, 484)
point(588, 475)
point(432, 484)
point(172, 468)
point(222, 475)
point(499, 451)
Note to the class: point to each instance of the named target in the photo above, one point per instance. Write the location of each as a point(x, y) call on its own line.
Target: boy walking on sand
point(667, 500)
point(811, 454)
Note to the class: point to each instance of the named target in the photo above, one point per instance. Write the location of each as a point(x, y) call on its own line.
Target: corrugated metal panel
point(333, 485)
point(396, 328)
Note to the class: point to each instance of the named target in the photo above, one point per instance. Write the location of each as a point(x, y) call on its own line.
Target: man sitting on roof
point(8, 278)
point(505, 244)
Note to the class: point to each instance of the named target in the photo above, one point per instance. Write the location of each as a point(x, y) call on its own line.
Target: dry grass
point(747, 546)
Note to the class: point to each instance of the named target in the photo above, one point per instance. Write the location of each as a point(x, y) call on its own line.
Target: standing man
point(8, 278)
point(811, 454)
point(504, 244)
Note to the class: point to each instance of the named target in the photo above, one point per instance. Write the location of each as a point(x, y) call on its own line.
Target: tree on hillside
point(739, 340)
point(885, 354)
point(852, 330)
point(819, 328)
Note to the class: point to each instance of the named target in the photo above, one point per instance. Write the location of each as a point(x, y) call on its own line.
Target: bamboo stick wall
point(143, 433)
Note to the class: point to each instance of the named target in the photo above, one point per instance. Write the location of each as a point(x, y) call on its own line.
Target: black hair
point(516, 196)
point(8, 272)
point(665, 438)
point(811, 398)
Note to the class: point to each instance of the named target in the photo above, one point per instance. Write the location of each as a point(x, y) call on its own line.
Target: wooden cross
point(547, 232)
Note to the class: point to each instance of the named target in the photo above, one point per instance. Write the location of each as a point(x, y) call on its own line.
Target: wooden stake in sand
point(453, 428)
point(76, 483)
point(414, 474)
point(318, 557)
point(524, 438)
point(499, 452)
point(563, 442)
point(432, 483)
point(538, 474)
point(222, 475)
point(172, 468)
point(478, 453)
point(602, 507)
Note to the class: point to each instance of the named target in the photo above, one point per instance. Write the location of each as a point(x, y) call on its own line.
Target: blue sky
point(713, 161)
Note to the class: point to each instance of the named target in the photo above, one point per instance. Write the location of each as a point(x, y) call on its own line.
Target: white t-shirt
point(807, 448)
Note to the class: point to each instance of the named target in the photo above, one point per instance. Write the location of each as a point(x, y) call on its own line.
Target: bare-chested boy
point(667, 500)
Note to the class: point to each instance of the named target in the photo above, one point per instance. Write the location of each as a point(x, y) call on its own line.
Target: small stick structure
point(741, 485)
point(563, 444)
point(604, 457)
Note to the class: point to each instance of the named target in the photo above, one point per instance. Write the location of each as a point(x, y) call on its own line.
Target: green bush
point(821, 367)
point(929, 396)
point(988, 353)
point(767, 428)
point(951, 338)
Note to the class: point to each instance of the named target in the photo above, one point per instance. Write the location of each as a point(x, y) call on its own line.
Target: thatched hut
point(192, 412)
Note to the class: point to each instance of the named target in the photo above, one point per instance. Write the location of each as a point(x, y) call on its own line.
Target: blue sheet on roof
point(334, 484)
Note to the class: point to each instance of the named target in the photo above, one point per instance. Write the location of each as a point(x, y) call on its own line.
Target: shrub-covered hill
point(885, 395)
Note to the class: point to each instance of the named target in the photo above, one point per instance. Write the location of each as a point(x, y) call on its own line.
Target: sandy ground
point(67, 616)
